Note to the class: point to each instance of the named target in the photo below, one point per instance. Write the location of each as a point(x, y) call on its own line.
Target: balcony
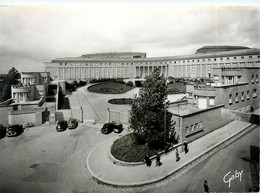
point(20, 89)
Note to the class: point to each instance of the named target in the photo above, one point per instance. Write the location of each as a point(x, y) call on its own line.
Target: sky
point(31, 35)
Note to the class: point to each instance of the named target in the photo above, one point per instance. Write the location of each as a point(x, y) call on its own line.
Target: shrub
point(130, 83)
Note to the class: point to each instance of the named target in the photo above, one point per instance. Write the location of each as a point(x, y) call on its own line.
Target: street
point(43, 160)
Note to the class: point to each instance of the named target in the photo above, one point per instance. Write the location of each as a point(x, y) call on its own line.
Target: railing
point(210, 88)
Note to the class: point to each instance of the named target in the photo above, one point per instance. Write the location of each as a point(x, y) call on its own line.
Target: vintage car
point(110, 127)
point(72, 123)
point(2, 131)
point(61, 125)
point(14, 130)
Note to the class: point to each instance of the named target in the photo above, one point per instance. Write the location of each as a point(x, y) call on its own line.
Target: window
point(250, 56)
point(230, 99)
point(221, 58)
point(235, 58)
point(252, 79)
point(247, 95)
point(200, 125)
point(237, 98)
point(211, 101)
point(256, 78)
point(239, 79)
point(242, 57)
point(258, 56)
point(209, 59)
point(192, 60)
point(254, 93)
point(242, 96)
point(227, 58)
point(187, 130)
point(198, 60)
point(203, 59)
point(216, 77)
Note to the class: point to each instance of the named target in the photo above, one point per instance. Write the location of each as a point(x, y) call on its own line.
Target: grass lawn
point(125, 149)
point(120, 101)
point(175, 88)
point(109, 88)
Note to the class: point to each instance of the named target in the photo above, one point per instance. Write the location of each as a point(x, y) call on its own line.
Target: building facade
point(136, 65)
point(236, 88)
point(33, 86)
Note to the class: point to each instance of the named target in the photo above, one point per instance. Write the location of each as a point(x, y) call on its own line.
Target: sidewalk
point(104, 170)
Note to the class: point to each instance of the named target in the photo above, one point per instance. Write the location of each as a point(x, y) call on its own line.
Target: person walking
point(185, 144)
point(146, 160)
point(177, 155)
point(206, 187)
point(158, 160)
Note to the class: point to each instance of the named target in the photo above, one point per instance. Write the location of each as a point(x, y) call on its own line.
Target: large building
point(137, 65)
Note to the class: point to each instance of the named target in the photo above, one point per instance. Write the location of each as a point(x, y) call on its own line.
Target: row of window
point(215, 59)
point(194, 128)
point(184, 61)
point(243, 98)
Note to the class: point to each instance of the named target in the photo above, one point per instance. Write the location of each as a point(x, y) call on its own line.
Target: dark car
point(14, 130)
point(2, 131)
point(107, 128)
point(62, 125)
point(72, 123)
point(110, 127)
point(118, 128)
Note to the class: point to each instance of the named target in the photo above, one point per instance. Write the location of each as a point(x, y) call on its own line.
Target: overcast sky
point(30, 35)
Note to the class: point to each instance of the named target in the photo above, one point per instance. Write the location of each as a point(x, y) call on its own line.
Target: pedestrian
point(146, 160)
point(206, 187)
point(158, 160)
point(185, 144)
point(149, 162)
point(177, 155)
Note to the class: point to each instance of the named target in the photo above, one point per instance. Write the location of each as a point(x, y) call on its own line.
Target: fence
point(120, 117)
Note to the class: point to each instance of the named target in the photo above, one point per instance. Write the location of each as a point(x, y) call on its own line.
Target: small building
point(192, 122)
point(236, 88)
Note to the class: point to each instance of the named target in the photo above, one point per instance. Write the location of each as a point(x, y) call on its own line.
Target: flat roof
point(251, 51)
point(183, 109)
point(187, 109)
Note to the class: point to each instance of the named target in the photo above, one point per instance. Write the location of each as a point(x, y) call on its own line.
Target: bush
point(130, 83)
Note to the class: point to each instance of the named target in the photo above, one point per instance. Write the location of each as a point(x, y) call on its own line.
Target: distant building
point(136, 65)
point(236, 88)
point(28, 102)
point(33, 86)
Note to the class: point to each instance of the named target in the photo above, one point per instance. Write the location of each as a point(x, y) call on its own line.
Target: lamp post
point(165, 127)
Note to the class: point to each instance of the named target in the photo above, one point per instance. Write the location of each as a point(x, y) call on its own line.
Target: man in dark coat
point(206, 187)
point(185, 144)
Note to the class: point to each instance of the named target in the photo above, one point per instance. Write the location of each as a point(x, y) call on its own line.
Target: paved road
point(43, 160)
point(214, 169)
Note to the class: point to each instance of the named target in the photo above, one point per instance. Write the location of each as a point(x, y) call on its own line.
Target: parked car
point(118, 128)
point(72, 123)
point(107, 128)
point(62, 125)
point(110, 127)
point(14, 130)
point(2, 131)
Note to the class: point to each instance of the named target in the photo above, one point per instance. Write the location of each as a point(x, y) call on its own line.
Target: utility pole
point(165, 129)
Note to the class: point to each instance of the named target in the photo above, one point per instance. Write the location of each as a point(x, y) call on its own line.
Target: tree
point(8, 80)
point(148, 111)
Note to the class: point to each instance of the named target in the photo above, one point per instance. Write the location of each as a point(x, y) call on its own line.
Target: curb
point(209, 152)
point(131, 164)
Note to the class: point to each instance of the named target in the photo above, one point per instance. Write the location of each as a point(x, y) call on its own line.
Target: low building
point(236, 88)
point(191, 122)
